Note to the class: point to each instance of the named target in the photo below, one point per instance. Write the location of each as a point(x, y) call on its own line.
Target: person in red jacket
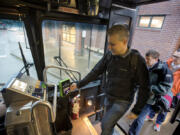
point(174, 65)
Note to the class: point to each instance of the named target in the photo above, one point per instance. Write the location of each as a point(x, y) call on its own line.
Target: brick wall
point(164, 40)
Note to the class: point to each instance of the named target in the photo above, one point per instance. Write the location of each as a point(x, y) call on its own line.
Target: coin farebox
point(28, 108)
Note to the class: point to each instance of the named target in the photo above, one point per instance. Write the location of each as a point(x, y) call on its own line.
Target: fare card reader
point(64, 87)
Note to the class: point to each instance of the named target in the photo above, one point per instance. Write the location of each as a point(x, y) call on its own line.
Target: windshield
point(12, 32)
point(78, 46)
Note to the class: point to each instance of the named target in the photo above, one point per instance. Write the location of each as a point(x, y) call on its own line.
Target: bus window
point(78, 45)
point(12, 32)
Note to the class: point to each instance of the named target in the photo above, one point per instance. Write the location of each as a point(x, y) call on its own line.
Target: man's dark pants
point(115, 109)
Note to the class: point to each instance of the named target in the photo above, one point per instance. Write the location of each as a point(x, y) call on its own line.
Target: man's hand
point(73, 86)
point(131, 116)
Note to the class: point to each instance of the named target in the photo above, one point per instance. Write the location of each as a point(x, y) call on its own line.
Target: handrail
point(59, 67)
point(58, 59)
point(43, 102)
point(48, 105)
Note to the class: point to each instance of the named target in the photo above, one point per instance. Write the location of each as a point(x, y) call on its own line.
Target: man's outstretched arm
point(99, 68)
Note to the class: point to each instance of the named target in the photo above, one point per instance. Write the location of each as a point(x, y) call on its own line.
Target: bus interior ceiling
point(36, 15)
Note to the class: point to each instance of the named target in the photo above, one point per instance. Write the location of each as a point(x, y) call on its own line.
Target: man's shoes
point(157, 127)
point(148, 118)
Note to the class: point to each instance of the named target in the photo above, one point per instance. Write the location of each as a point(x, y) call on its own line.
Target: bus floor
point(83, 126)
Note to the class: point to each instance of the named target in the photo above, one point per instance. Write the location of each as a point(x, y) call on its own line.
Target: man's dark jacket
point(161, 79)
point(124, 73)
